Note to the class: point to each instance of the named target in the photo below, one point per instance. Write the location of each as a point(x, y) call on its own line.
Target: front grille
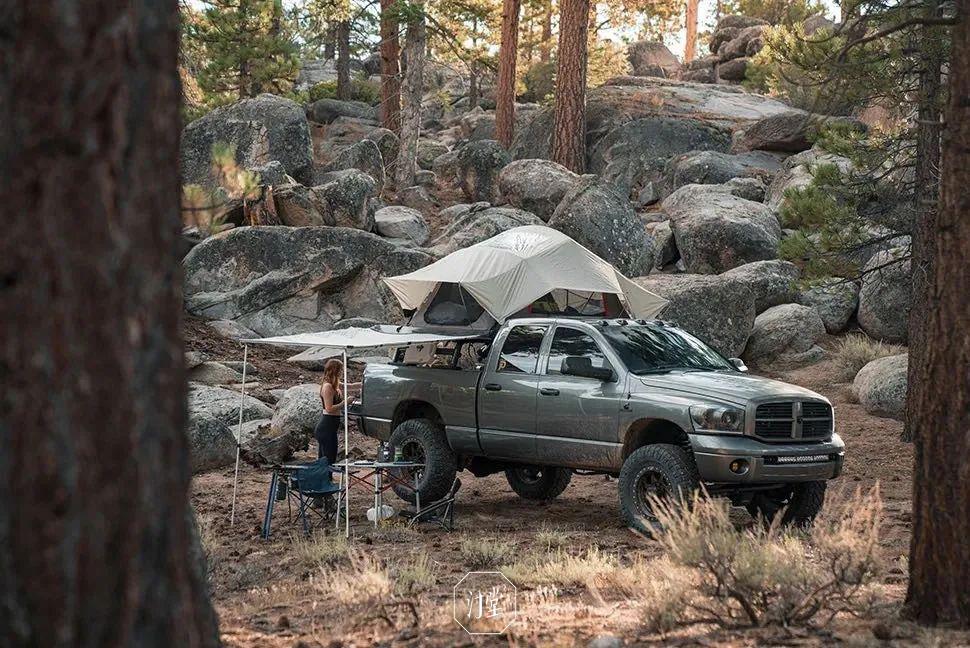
point(792, 421)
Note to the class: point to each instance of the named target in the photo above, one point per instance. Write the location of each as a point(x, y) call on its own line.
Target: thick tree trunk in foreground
point(343, 60)
point(939, 563)
point(926, 198)
point(95, 543)
point(505, 86)
point(569, 129)
point(390, 50)
point(414, 51)
point(690, 28)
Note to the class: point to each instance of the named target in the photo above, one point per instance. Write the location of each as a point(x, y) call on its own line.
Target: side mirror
point(739, 365)
point(583, 367)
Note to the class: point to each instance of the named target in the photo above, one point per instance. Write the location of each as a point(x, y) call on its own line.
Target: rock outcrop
point(537, 186)
point(835, 300)
point(473, 223)
point(886, 296)
point(405, 223)
point(881, 386)
point(479, 164)
point(785, 335)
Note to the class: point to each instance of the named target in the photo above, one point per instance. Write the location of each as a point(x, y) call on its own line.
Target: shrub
point(364, 581)
point(550, 538)
point(416, 574)
point(856, 350)
point(562, 568)
point(360, 90)
point(319, 551)
point(481, 553)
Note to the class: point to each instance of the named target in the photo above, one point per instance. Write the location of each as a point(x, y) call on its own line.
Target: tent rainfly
point(508, 272)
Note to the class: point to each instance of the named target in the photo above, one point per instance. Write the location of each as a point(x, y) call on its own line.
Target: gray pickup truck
point(643, 401)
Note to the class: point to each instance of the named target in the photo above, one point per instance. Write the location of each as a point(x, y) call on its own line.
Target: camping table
point(378, 476)
point(280, 472)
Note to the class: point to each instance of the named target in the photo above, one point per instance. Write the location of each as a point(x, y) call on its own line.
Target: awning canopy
point(375, 337)
point(509, 271)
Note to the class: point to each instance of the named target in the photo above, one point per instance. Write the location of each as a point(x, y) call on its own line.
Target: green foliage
point(775, 12)
point(540, 82)
point(360, 90)
point(245, 47)
point(205, 208)
point(606, 60)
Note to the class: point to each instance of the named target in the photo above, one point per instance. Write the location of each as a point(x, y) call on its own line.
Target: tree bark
point(926, 196)
point(505, 88)
point(330, 43)
point(545, 50)
point(690, 38)
point(414, 47)
point(95, 543)
point(939, 564)
point(569, 126)
point(343, 60)
point(390, 50)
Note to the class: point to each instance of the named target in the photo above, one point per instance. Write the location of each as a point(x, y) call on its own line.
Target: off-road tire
point(802, 502)
point(538, 482)
point(673, 471)
point(423, 441)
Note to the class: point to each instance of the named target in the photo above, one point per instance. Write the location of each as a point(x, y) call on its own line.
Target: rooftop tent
point(531, 269)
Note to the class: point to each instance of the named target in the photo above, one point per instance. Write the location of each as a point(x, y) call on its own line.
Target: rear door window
point(520, 352)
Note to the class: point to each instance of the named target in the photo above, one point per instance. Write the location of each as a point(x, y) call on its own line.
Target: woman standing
point(333, 398)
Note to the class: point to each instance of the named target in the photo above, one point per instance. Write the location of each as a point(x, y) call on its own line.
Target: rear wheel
point(421, 441)
point(538, 482)
point(801, 502)
point(660, 470)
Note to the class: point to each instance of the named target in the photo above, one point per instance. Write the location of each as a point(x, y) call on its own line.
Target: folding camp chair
point(311, 483)
point(441, 512)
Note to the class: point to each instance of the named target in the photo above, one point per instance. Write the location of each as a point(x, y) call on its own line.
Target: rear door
point(507, 395)
point(577, 417)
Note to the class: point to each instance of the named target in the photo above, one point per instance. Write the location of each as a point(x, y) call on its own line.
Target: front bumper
point(767, 463)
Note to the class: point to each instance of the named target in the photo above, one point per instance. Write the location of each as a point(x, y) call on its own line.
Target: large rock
point(211, 444)
point(772, 282)
point(598, 217)
point(886, 296)
point(650, 58)
point(718, 231)
point(298, 411)
point(387, 142)
point(287, 134)
point(428, 151)
point(476, 124)
point(835, 300)
point(881, 386)
point(785, 334)
point(791, 131)
point(797, 173)
point(535, 185)
point(402, 223)
point(206, 402)
point(325, 111)
point(479, 164)
point(214, 373)
point(298, 206)
point(249, 139)
point(733, 70)
point(283, 280)
point(343, 197)
point(476, 222)
point(718, 310)
point(364, 156)
point(715, 167)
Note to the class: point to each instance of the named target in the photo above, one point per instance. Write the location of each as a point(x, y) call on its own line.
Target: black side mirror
point(583, 367)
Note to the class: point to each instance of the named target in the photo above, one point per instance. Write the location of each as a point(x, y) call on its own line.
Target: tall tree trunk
point(926, 197)
point(569, 125)
point(690, 38)
point(939, 563)
point(95, 543)
point(414, 47)
point(545, 50)
point(245, 80)
point(505, 90)
point(330, 43)
point(473, 85)
point(343, 60)
point(390, 69)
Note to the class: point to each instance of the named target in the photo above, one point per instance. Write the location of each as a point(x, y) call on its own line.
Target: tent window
point(452, 305)
point(575, 303)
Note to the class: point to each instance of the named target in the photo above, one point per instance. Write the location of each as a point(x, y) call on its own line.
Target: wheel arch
point(648, 431)
point(415, 409)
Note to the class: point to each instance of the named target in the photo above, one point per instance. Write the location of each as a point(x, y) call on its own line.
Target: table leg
point(270, 503)
point(417, 495)
point(377, 497)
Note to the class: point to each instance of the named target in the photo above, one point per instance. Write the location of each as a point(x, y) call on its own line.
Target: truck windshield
point(647, 348)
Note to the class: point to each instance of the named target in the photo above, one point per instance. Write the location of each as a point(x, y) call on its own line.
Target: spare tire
point(421, 441)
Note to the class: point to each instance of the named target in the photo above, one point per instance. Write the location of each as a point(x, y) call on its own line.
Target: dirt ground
point(266, 595)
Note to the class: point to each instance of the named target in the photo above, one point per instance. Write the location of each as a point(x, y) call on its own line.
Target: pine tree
point(505, 90)
point(569, 125)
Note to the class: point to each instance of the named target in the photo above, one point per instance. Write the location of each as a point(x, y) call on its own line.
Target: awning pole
point(242, 404)
point(346, 452)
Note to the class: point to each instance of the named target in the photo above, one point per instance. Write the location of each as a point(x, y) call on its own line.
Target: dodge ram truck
point(643, 401)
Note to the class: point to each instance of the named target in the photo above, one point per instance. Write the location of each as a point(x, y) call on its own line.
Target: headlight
point(717, 419)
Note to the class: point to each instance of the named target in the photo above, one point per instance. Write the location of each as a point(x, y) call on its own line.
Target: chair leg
point(270, 504)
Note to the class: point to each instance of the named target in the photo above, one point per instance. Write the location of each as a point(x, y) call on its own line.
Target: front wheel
point(801, 503)
point(421, 441)
point(538, 482)
point(661, 470)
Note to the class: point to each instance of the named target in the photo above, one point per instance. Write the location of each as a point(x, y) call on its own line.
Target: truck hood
point(734, 387)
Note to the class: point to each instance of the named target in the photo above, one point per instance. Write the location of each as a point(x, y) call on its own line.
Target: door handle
point(493, 387)
point(548, 391)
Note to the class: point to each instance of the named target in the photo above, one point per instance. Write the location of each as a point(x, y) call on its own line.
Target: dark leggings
point(326, 434)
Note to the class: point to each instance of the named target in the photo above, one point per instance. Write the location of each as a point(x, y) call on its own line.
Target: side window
point(571, 342)
point(520, 353)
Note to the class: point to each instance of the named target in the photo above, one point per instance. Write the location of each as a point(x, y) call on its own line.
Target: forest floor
point(281, 592)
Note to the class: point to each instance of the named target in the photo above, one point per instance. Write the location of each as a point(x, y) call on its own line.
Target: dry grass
point(415, 575)
point(362, 582)
point(550, 538)
point(319, 550)
point(856, 350)
point(562, 569)
point(483, 553)
point(209, 538)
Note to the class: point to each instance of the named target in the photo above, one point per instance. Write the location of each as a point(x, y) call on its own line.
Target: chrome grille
point(793, 420)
